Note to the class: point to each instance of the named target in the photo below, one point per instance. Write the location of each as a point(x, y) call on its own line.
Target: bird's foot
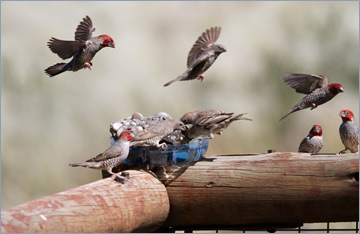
point(201, 77)
point(125, 174)
point(118, 178)
point(313, 106)
point(162, 145)
point(88, 65)
point(341, 152)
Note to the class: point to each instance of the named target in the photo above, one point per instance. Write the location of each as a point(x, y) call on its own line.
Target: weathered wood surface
point(277, 189)
point(140, 204)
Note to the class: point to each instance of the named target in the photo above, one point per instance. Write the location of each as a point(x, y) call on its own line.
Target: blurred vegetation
point(48, 123)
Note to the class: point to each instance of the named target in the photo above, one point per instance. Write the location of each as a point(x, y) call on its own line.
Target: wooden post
point(140, 204)
point(262, 191)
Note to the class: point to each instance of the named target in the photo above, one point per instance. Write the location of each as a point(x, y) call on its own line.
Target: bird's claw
point(88, 65)
point(162, 145)
point(313, 106)
point(201, 77)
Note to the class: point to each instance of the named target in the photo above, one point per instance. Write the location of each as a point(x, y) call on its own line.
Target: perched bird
point(313, 142)
point(112, 157)
point(82, 49)
point(349, 132)
point(136, 123)
point(208, 122)
point(315, 86)
point(155, 133)
point(202, 55)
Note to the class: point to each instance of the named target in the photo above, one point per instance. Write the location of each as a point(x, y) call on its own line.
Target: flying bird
point(112, 157)
point(349, 132)
point(82, 49)
point(313, 142)
point(315, 86)
point(201, 56)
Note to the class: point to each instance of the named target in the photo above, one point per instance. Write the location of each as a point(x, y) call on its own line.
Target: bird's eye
point(108, 41)
point(346, 113)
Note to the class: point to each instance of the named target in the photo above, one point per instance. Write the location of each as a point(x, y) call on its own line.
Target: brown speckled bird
point(208, 122)
point(83, 49)
point(201, 56)
point(313, 142)
point(349, 132)
point(112, 157)
point(315, 86)
point(155, 133)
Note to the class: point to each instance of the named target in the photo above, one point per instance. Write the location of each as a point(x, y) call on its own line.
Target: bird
point(136, 123)
point(201, 56)
point(82, 49)
point(207, 122)
point(313, 142)
point(112, 157)
point(349, 132)
point(155, 133)
point(315, 86)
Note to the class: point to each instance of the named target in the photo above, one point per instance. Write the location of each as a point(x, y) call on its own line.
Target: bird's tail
point(87, 164)
point(291, 111)
point(182, 76)
point(56, 69)
point(240, 117)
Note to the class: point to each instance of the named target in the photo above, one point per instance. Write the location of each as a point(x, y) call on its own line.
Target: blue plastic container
point(181, 155)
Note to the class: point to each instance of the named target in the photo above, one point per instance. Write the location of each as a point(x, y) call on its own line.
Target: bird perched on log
point(112, 157)
point(201, 56)
point(315, 86)
point(82, 49)
point(155, 133)
point(313, 142)
point(349, 132)
point(208, 122)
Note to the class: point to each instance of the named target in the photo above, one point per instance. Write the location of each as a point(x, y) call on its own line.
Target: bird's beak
point(113, 45)
point(341, 89)
point(342, 114)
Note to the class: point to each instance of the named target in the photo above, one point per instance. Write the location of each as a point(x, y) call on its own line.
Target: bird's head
point(335, 88)
point(179, 126)
point(316, 130)
point(188, 118)
point(106, 41)
point(218, 48)
point(128, 135)
point(346, 115)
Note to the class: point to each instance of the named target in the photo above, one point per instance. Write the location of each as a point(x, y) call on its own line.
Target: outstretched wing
point(65, 49)
point(304, 83)
point(207, 38)
point(84, 30)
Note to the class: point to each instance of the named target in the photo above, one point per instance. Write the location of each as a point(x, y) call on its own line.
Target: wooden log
point(140, 204)
point(268, 190)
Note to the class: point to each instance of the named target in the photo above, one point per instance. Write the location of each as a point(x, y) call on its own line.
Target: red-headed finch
point(313, 142)
point(112, 157)
point(315, 86)
point(349, 132)
point(82, 49)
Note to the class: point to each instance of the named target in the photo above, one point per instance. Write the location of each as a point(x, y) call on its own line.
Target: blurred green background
point(48, 123)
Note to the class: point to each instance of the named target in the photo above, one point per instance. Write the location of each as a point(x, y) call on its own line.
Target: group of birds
point(140, 130)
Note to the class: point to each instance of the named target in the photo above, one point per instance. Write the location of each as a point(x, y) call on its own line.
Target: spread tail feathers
point(56, 69)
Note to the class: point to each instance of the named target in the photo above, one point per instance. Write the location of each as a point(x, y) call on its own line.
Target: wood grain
point(262, 190)
point(140, 204)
